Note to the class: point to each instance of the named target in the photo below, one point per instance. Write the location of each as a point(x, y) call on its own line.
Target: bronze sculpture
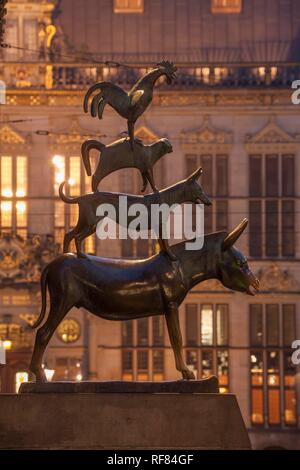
point(119, 155)
point(188, 190)
point(117, 289)
point(132, 104)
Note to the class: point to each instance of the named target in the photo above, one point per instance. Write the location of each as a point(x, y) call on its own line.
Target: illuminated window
point(143, 353)
point(69, 169)
point(13, 191)
point(226, 6)
point(21, 377)
point(272, 205)
point(215, 182)
point(272, 372)
point(68, 368)
point(206, 332)
point(128, 6)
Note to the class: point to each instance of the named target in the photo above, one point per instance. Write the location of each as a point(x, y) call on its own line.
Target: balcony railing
point(75, 76)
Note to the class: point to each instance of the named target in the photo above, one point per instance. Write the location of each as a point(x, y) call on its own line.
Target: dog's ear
point(194, 176)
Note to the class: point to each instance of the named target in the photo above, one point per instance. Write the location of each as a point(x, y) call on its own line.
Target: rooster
point(130, 105)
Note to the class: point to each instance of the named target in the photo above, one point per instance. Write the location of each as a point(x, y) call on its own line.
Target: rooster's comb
point(167, 65)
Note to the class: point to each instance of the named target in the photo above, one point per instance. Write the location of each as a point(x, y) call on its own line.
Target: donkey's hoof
point(188, 374)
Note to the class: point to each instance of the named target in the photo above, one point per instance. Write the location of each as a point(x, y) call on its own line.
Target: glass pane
point(21, 168)
point(289, 323)
point(59, 214)
point(30, 38)
point(289, 369)
point(59, 171)
point(221, 215)
point(6, 177)
point(255, 228)
point(255, 176)
point(127, 333)
point(192, 361)
point(288, 228)
point(207, 177)
point(272, 324)
point(272, 175)
point(272, 228)
point(89, 244)
point(190, 164)
point(223, 370)
point(256, 368)
point(290, 412)
point(142, 360)
point(11, 37)
point(274, 406)
point(206, 324)
point(74, 211)
point(288, 175)
point(256, 325)
point(74, 176)
point(273, 368)
point(222, 324)
point(191, 324)
point(221, 175)
point(6, 214)
point(158, 362)
point(257, 402)
point(21, 214)
point(126, 360)
point(142, 332)
point(158, 331)
point(207, 363)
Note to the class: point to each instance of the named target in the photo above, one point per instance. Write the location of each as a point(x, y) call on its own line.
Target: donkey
point(119, 155)
point(118, 289)
point(188, 190)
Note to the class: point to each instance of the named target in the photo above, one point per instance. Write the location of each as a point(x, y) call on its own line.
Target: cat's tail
point(85, 151)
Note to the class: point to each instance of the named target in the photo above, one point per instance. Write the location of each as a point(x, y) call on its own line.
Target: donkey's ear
point(232, 237)
point(196, 174)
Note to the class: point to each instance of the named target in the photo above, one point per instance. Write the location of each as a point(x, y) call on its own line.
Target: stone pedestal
point(120, 419)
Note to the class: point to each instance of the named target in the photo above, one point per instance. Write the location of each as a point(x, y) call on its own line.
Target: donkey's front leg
point(172, 319)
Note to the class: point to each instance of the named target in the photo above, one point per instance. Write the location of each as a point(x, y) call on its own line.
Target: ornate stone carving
point(9, 136)
point(275, 279)
point(21, 261)
point(146, 135)
point(271, 138)
point(206, 138)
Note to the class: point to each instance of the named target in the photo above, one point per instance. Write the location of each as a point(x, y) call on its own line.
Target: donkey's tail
point(44, 298)
point(85, 150)
point(63, 197)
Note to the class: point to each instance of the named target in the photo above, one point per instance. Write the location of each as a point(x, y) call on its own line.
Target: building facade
point(230, 111)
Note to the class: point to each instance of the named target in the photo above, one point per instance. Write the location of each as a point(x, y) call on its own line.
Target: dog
point(188, 190)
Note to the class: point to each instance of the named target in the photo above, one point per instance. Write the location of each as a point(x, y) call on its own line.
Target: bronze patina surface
point(120, 289)
point(188, 190)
